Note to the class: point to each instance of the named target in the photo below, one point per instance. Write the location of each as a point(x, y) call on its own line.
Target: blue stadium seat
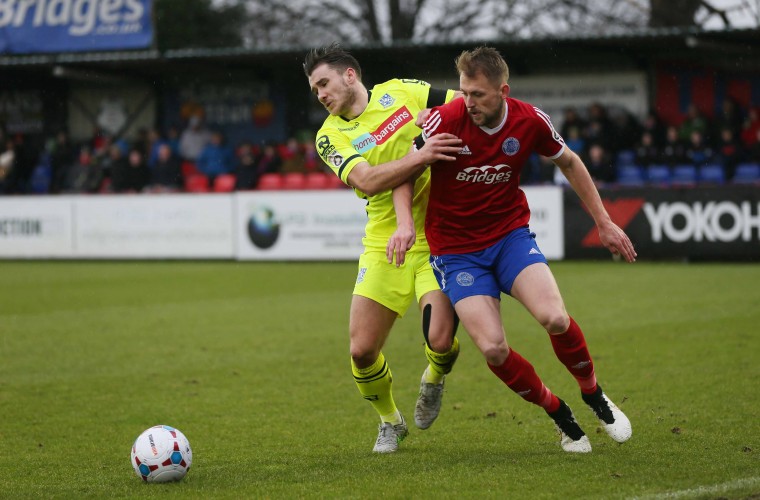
point(711, 173)
point(684, 175)
point(659, 175)
point(630, 175)
point(747, 173)
point(626, 157)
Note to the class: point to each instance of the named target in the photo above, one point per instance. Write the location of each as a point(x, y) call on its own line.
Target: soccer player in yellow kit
point(366, 142)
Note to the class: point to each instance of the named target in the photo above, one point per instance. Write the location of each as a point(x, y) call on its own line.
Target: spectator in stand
point(24, 162)
point(246, 167)
point(130, 174)
point(729, 152)
point(575, 140)
point(216, 158)
point(753, 152)
point(155, 139)
point(627, 131)
point(653, 124)
point(85, 175)
point(166, 173)
point(673, 150)
point(193, 139)
point(599, 164)
point(573, 124)
point(647, 152)
point(311, 160)
point(729, 117)
point(694, 120)
point(698, 151)
point(61, 158)
point(292, 156)
point(750, 127)
point(269, 161)
point(7, 163)
point(600, 129)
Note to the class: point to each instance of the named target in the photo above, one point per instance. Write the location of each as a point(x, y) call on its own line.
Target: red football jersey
point(475, 200)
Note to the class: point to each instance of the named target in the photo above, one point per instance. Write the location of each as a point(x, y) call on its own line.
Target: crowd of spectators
point(610, 139)
point(164, 161)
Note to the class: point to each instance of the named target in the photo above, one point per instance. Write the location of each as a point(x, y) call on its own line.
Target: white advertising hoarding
point(300, 225)
point(154, 226)
point(34, 227)
point(547, 219)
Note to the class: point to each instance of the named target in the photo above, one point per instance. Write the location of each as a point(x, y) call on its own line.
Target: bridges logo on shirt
point(384, 132)
point(487, 174)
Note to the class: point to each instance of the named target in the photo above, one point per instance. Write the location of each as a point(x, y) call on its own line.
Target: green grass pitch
point(250, 361)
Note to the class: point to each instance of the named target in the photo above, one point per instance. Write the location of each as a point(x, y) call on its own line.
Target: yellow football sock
point(374, 383)
point(440, 363)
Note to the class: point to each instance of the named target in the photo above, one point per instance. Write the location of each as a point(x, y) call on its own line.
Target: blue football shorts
point(489, 271)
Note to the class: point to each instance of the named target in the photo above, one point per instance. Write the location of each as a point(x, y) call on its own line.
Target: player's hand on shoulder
point(422, 117)
point(441, 147)
point(399, 243)
point(616, 241)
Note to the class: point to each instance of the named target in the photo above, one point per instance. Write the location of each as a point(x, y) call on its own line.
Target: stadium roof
point(703, 45)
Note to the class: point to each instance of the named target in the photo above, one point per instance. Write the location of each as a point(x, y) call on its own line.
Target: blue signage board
point(39, 26)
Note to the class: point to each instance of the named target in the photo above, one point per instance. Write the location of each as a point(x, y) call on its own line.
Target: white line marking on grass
point(706, 490)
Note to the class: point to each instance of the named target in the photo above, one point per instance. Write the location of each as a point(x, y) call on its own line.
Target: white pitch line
point(705, 490)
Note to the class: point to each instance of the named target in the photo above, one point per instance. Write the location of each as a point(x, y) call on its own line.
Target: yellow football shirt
point(382, 133)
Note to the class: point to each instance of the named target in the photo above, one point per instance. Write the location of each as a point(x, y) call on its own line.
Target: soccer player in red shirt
point(481, 245)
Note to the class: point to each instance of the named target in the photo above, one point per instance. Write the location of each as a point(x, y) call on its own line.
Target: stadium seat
point(189, 168)
point(711, 174)
point(658, 175)
point(747, 173)
point(625, 157)
point(318, 180)
point(630, 175)
point(270, 182)
point(225, 183)
point(294, 180)
point(684, 175)
point(196, 183)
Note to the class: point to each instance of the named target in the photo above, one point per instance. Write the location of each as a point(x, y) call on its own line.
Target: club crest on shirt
point(510, 146)
point(386, 100)
point(465, 279)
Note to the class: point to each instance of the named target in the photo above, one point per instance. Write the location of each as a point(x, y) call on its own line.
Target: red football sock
point(570, 348)
point(521, 377)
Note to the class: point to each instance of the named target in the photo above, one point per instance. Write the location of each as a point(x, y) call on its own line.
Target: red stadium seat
point(269, 182)
point(318, 180)
point(189, 168)
point(294, 180)
point(196, 183)
point(225, 183)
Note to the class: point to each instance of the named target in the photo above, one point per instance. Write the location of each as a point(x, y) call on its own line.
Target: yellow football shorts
point(394, 287)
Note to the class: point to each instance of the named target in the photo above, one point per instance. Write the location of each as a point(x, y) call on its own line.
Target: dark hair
point(485, 60)
point(334, 56)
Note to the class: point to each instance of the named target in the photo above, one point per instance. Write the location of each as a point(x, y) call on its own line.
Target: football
point(161, 454)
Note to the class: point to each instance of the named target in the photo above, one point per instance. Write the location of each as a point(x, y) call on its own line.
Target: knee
point(362, 358)
point(556, 322)
point(440, 341)
point(496, 354)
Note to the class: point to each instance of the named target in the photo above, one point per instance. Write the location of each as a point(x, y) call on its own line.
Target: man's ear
point(350, 75)
point(505, 91)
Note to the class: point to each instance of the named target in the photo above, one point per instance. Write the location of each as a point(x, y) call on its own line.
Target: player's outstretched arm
point(610, 234)
point(384, 176)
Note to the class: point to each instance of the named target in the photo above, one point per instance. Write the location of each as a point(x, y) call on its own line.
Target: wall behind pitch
point(256, 225)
